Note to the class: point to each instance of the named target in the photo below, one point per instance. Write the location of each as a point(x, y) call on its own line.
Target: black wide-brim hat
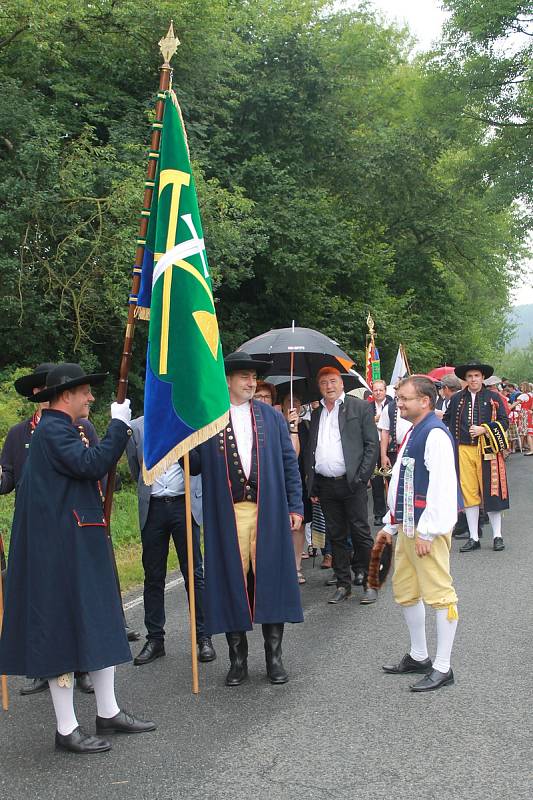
point(236, 362)
point(37, 378)
point(67, 376)
point(485, 369)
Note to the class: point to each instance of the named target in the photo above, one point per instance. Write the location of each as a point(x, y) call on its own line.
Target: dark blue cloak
point(62, 608)
point(276, 592)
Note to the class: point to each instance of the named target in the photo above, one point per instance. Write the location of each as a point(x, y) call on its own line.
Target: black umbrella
point(300, 351)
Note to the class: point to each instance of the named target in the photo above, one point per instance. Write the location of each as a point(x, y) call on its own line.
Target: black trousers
point(346, 513)
point(166, 518)
point(378, 496)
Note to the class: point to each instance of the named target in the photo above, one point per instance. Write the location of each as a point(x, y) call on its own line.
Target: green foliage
point(335, 174)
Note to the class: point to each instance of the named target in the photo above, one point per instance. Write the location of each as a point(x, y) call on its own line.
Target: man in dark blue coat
point(62, 609)
point(252, 499)
point(12, 460)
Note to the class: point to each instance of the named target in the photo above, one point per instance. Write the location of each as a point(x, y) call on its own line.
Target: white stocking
point(63, 700)
point(495, 518)
point(415, 617)
point(445, 635)
point(472, 517)
point(104, 691)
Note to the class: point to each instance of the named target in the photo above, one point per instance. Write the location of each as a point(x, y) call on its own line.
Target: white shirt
point(402, 425)
point(329, 458)
point(170, 483)
point(440, 513)
point(241, 420)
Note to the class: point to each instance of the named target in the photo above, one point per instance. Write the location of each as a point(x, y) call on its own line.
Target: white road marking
point(138, 600)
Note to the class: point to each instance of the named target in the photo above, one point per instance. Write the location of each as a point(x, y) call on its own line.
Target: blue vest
point(413, 469)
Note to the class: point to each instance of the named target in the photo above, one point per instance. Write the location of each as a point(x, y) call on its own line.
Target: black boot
point(238, 658)
point(273, 635)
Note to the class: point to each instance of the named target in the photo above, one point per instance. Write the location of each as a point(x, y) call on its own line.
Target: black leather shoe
point(341, 594)
point(206, 651)
point(273, 636)
point(84, 683)
point(80, 742)
point(35, 686)
point(154, 648)
point(123, 723)
point(408, 665)
point(498, 544)
point(238, 657)
point(463, 535)
point(470, 545)
point(359, 577)
point(434, 680)
point(370, 596)
point(331, 581)
point(133, 635)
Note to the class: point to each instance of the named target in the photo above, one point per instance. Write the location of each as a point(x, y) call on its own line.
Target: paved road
point(339, 728)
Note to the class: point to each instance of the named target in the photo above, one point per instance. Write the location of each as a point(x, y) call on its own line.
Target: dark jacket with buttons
point(359, 437)
point(62, 607)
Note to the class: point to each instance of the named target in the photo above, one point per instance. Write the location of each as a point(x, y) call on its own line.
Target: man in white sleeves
point(423, 500)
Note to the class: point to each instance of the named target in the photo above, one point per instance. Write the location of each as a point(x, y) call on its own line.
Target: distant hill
point(522, 317)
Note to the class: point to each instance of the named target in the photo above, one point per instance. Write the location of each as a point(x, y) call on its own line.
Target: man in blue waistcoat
point(252, 499)
point(62, 608)
point(423, 500)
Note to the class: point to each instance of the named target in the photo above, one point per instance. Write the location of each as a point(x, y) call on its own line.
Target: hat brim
point(485, 369)
point(27, 383)
point(96, 379)
point(236, 365)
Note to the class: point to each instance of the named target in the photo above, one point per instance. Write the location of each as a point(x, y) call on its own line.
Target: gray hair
point(451, 382)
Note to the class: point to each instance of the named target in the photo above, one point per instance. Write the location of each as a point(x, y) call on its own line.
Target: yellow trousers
point(427, 578)
point(246, 516)
point(470, 460)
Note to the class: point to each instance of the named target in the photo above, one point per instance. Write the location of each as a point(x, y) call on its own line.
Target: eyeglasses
point(261, 396)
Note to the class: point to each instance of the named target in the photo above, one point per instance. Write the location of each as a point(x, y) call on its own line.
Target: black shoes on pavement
point(434, 680)
point(273, 636)
point(35, 686)
point(84, 683)
point(80, 742)
point(369, 596)
point(341, 594)
point(133, 635)
point(123, 723)
point(469, 546)
point(498, 544)
point(206, 651)
point(408, 665)
point(154, 648)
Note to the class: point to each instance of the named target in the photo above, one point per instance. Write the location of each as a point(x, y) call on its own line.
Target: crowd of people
point(287, 476)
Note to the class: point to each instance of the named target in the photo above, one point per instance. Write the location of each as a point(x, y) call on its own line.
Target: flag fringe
point(196, 438)
point(142, 313)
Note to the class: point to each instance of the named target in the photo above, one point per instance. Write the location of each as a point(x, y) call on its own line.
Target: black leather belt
point(326, 478)
point(168, 498)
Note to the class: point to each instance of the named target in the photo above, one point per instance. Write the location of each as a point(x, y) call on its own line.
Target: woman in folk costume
point(478, 422)
point(252, 500)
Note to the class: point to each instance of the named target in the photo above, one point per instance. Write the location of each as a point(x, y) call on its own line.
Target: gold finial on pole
point(370, 323)
point(169, 44)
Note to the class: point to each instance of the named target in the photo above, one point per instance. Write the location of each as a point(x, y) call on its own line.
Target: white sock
point(415, 617)
point(495, 518)
point(472, 517)
point(63, 700)
point(104, 691)
point(445, 635)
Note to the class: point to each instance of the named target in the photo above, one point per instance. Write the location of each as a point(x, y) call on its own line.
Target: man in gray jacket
point(340, 458)
point(162, 515)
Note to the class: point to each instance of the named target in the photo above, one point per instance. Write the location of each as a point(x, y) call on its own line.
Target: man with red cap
point(341, 455)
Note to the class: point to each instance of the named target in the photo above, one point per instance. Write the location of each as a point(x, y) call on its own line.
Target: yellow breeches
point(246, 517)
point(470, 461)
point(427, 578)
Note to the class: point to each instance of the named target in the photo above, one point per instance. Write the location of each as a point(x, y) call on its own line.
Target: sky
point(425, 19)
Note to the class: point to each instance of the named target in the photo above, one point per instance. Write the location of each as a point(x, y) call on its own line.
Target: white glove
point(121, 411)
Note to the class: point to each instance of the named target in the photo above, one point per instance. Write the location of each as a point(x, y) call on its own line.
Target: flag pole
point(405, 359)
point(3, 678)
point(168, 46)
point(190, 565)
